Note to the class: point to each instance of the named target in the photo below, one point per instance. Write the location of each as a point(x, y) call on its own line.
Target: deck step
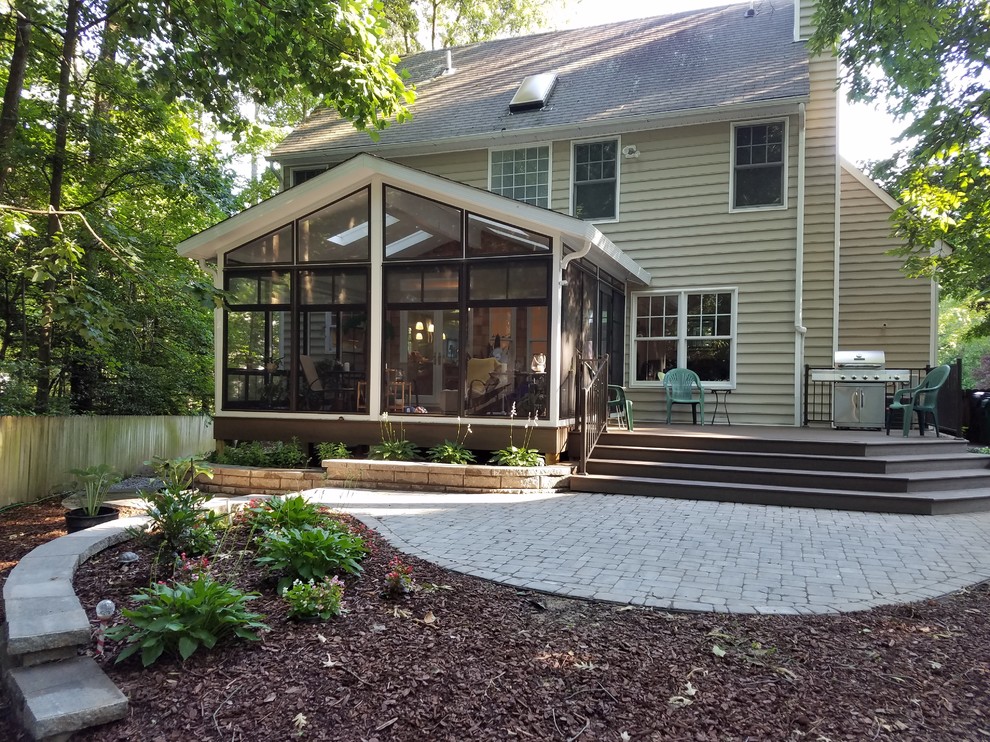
point(915, 503)
point(59, 698)
point(817, 478)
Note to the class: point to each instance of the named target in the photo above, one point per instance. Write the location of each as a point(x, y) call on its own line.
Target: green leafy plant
point(181, 617)
point(310, 553)
point(332, 451)
point(273, 454)
point(96, 482)
point(177, 511)
point(315, 599)
point(522, 455)
point(394, 446)
point(452, 452)
point(285, 512)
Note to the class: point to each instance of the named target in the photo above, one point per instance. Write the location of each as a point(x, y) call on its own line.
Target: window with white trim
point(596, 180)
point(758, 165)
point(522, 174)
point(685, 329)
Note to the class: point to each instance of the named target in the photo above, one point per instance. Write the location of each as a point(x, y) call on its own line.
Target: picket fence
point(36, 453)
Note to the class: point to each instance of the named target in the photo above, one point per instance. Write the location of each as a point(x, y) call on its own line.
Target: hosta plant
point(315, 599)
point(310, 553)
point(291, 511)
point(95, 482)
point(394, 446)
point(181, 617)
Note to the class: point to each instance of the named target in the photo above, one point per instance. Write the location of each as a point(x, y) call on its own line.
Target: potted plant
point(95, 482)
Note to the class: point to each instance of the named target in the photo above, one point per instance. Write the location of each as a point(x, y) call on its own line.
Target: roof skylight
point(533, 92)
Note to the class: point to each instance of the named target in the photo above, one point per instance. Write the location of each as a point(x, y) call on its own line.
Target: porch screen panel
point(333, 340)
point(272, 248)
point(338, 232)
point(490, 237)
point(418, 228)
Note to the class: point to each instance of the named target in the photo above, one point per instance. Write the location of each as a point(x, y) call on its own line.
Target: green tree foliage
point(449, 23)
point(109, 156)
point(929, 60)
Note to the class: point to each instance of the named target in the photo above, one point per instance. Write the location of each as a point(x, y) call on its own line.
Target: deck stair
point(840, 470)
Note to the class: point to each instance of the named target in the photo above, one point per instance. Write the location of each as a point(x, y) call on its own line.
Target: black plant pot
point(77, 520)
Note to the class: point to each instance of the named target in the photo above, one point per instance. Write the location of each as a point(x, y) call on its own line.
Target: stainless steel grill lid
point(859, 359)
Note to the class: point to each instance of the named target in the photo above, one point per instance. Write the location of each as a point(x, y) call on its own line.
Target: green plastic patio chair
point(620, 409)
point(921, 399)
point(679, 385)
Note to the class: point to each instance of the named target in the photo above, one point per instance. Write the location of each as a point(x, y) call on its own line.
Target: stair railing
point(593, 415)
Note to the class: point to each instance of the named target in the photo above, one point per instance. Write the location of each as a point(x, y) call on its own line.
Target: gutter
point(621, 125)
point(799, 329)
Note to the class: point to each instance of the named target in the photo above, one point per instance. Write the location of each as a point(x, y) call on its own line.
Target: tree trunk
point(12, 94)
point(44, 379)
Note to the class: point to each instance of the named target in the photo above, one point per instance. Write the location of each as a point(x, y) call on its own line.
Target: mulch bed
point(465, 659)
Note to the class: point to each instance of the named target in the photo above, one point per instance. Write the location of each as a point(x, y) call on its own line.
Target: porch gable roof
point(579, 237)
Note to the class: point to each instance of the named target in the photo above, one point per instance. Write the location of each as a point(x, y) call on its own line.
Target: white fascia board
point(869, 183)
point(584, 130)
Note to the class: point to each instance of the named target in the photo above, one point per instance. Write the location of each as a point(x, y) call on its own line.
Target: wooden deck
point(814, 467)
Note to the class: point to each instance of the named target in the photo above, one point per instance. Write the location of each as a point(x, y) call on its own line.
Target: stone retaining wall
point(421, 476)
point(249, 480)
point(387, 475)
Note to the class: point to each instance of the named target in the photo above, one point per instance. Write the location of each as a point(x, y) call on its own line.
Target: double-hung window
point(522, 174)
point(758, 165)
point(685, 329)
point(596, 180)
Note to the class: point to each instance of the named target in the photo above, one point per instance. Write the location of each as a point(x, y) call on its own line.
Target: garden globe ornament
point(104, 612)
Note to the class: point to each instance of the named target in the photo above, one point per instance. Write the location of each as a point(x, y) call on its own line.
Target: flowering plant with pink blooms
point(398, 579)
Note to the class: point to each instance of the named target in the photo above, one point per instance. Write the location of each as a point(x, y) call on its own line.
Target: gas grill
point(859, 387)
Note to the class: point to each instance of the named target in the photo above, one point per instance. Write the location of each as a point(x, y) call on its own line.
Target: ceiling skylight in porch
point(534, 92)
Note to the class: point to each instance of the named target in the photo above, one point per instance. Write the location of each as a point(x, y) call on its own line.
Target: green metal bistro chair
point(921, 399)
point(620, 409)
point(679, 385)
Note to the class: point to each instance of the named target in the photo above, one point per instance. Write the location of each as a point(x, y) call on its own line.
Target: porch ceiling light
point(419, 336)
point(419, 326)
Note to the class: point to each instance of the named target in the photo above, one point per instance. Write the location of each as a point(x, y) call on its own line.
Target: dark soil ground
point(465, 659)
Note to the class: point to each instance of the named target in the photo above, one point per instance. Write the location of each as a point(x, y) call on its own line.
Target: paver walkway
point(682, 554)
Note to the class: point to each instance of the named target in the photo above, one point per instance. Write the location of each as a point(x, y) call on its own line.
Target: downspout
point(799, 329)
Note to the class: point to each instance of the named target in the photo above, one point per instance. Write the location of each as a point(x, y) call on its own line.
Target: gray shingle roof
point(648, 67)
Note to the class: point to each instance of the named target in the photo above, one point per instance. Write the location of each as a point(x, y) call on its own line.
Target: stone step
point(57, 699)
point(914, 503)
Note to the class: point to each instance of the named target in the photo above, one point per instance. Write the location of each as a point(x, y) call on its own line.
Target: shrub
point(181, 617)
point(333, 451)
point(285, 512)
point(310, 553)
point(399, 578)
point(273, 454)
point(311, 599)
point(177, 510)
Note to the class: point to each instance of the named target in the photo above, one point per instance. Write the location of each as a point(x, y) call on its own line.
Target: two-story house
point(666, 191)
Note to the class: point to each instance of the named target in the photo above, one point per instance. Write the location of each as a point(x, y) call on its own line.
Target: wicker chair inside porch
point(679, 385)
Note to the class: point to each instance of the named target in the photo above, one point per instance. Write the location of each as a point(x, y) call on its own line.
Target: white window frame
point(618, 176)
point(548, 145)
point(681, 337)
point(782, 206)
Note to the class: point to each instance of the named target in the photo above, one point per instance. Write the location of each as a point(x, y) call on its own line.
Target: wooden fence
point(36, 453)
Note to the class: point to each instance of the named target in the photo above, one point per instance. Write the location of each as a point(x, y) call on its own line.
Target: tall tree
point(929, 60)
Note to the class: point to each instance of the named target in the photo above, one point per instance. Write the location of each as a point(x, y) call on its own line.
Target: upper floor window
point(522, 174)
point(758, 165)
point(596, 180)
point(301, 176)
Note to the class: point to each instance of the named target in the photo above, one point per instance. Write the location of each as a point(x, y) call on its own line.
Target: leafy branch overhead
point(223, 52)
point(929, 59)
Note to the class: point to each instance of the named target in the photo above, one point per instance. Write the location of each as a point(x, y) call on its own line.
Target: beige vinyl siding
point(879, 306)
point(470, 166)
point(674, 220)
point(821, 173)
point(806, 14)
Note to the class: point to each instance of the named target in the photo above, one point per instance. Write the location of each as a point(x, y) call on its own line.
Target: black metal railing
point(593, 412)
point(951, 403)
